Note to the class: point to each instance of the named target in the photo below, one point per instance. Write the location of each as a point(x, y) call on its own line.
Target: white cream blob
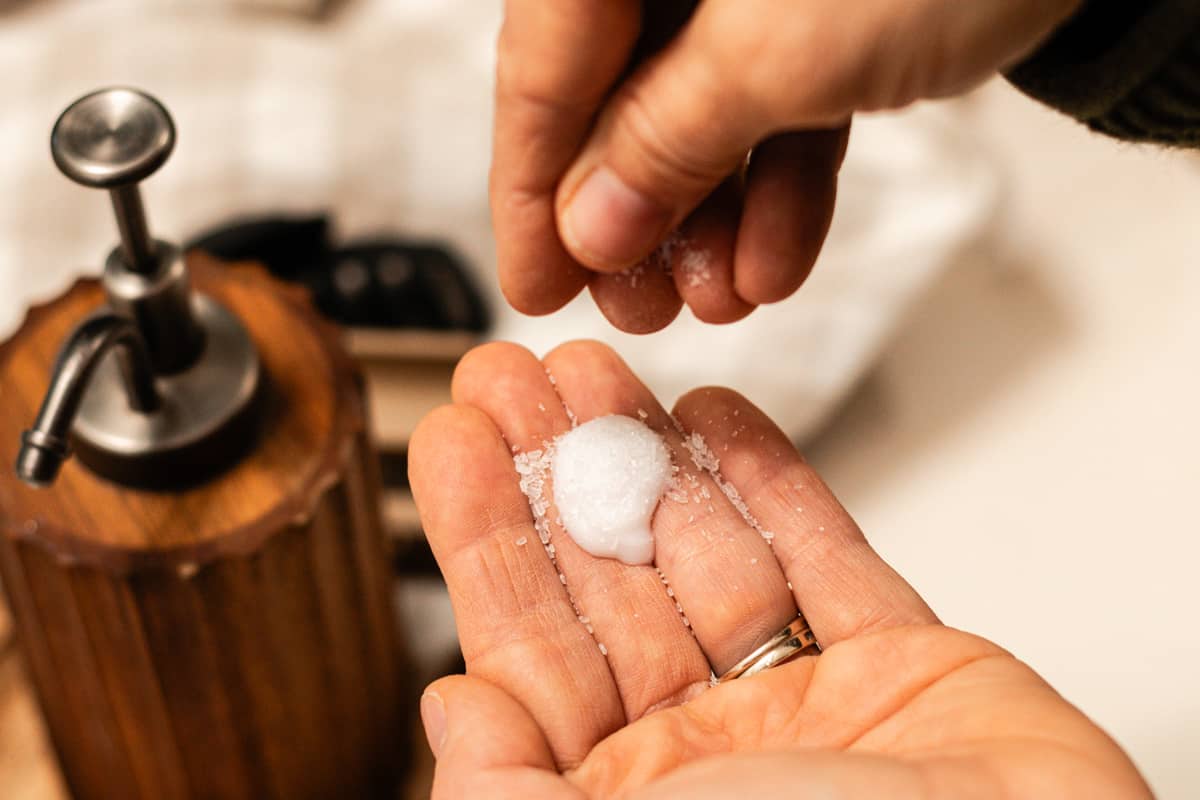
point(609, 474)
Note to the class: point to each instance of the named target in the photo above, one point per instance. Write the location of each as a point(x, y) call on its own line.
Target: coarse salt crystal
point(695, 264)
point(704, 459)
point(532, 468)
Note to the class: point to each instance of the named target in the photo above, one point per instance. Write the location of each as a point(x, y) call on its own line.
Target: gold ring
point(795, 640)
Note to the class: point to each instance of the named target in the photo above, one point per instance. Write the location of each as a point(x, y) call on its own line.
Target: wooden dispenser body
point(232, 640)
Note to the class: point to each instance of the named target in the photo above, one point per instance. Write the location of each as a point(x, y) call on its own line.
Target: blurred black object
point(374, 283)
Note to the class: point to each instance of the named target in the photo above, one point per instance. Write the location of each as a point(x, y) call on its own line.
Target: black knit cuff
point(1126, 68)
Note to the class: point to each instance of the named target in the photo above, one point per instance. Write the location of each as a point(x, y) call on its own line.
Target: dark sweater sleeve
point(1127, 68)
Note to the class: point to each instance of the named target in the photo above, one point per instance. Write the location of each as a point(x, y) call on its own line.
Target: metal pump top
point(157, 389)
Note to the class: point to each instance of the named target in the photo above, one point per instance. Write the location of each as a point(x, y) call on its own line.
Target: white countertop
point(1027, 452)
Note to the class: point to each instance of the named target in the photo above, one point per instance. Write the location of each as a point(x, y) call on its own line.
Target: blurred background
point(996, 364)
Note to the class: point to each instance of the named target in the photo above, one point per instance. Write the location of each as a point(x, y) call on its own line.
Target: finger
point(841, 585)
point(720, 570)
point(654, 659)
point(739, 71)
point(513, 614)
point(555, 64)
point(790, 191)
point(701, 257)
point(774, 774)
point(673, 131)
point(809, 705)
point(486, 743)
point(642, 299)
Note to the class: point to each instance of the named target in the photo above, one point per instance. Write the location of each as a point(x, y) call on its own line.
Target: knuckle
point(666, 148)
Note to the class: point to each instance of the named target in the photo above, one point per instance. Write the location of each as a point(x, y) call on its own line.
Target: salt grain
point(634, 274)
point(695, 264)
point(674, 490)
point(521, 542)
point(704, 459)
point(603, 650)
point(532, 468)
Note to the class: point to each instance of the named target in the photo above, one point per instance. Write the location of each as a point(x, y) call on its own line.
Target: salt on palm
point(609, 474)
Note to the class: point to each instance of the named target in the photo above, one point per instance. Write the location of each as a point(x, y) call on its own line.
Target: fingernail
point(611, 223)
point(433, 717)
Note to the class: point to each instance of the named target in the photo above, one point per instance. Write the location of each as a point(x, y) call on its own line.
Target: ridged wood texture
point(233, 641)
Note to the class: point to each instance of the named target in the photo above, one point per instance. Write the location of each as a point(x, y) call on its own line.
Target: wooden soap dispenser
point(201, 593)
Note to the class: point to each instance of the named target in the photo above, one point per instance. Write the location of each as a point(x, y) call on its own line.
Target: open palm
point(590, 678)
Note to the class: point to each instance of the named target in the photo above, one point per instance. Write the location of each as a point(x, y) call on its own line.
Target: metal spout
point(45, 446)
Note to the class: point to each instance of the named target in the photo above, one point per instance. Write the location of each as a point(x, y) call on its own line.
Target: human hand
point(596, 165)
point(896, 706)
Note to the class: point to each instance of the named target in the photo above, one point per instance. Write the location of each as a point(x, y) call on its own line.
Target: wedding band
point(793, 641)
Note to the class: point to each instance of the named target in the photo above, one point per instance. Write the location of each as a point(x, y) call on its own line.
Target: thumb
point(666, 139)
point(486, 743)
